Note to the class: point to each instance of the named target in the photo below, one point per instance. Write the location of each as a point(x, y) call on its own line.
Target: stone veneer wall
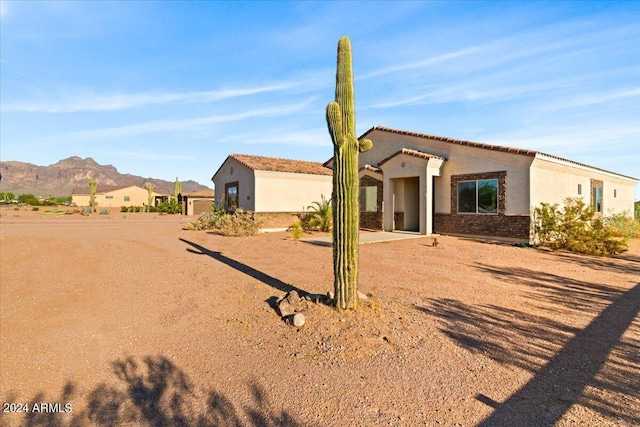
point(498, 225)
point(372, 220)
point(277, 219)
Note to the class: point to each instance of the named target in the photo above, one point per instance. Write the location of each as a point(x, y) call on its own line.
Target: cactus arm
point(334, 122)
point(365, 145)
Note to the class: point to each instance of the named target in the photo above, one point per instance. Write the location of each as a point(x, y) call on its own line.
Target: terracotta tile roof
point(412, 153)
point(371, 168)
point(513, 150)
point(274, 164)
point(454, 141)
point(200, 193)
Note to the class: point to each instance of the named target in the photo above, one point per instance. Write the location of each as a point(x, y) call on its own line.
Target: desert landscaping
point(127, 319)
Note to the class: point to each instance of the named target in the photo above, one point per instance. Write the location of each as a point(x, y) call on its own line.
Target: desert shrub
point(296, 230)
point(35, 208)
point(124, 209)
point(627, 226)
point(238, 223)
point(319, 217)
point(137, 208)
point(86, 211)
point(15, 208)
point(171, 207)
point(104, 211)
point(636, 210)
point(577, 229)
point(28, 199)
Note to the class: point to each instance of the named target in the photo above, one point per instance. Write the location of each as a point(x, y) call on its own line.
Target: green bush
point(319, 217)
point(35, 208)
point(576, 228)
point(124, 209)
point(28, 199)
point(296, 230)
point(636, 210)
point(171, 207)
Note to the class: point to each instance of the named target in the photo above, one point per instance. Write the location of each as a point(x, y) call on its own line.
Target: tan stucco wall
point(554, 180)
point(289, 192)
point(243, 175)
point(137, 197)
point(460, 160)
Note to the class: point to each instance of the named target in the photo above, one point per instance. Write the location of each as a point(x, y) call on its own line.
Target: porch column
point(388, 194)
point(432, 169)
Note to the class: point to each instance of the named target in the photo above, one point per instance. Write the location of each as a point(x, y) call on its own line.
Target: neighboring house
point(109, 196)
point(433, 184)
point(197, 202)
point(274, 188)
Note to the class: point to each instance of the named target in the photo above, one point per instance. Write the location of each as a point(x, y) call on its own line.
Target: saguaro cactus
point(149, 196)
point(177, 188)
point(341, 120)
point(93, 186)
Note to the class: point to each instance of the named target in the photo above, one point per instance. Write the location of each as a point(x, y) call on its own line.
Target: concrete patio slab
point(369, 237)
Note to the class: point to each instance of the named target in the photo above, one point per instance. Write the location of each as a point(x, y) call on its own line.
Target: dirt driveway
point(130, 320)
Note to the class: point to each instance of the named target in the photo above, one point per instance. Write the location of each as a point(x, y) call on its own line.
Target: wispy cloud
point(597, 98)
point(144, 155)
point(84, 102)
point(184, 124)
point(300, 137)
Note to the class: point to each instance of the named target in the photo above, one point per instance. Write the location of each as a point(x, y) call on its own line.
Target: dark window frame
point(476, 196)
point(231, 203)
point(360, 197)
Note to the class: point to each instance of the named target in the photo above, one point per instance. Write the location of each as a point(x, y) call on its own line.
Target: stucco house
point(196, 202)
point(111, 196)
point(431, 184)
point(276, 189)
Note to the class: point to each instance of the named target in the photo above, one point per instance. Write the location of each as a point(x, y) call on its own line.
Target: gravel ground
point(126, 319)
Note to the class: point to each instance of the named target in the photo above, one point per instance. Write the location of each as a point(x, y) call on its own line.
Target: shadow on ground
point(152, 392)
point(594, 366)
point(243, 268)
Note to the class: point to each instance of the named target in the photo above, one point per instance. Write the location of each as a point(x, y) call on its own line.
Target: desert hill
point(60, 178)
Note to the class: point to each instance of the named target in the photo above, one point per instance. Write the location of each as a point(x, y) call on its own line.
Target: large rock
point(290, 304)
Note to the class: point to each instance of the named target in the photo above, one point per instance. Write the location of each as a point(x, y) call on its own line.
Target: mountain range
point(60, 178)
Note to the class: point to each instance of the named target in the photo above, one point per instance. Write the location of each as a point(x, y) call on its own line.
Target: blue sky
point(166, 89)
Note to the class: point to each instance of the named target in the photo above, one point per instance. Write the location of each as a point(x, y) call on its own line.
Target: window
point(108, 197)
point(480, 197)
point(369, 199)
point(615, 193)
point(579, 189)
point(231, 195)
point(597, 199)
point(127, 198)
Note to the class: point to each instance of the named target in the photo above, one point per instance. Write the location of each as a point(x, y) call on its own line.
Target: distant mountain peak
point(60, 178)
point(76, 162)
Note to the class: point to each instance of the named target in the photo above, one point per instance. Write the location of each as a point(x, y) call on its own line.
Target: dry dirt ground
point(126, 319)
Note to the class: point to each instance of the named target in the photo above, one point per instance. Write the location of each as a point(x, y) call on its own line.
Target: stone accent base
point(512, 226)
point(372, 220)
point(277, 219)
